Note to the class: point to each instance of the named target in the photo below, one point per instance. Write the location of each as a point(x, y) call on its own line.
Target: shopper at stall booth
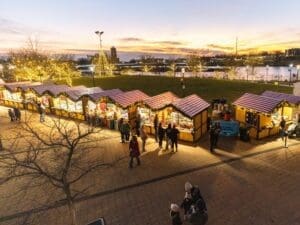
point(174, 138)
point(120, 128)
point(282, 128)
point(134, 151)
point(126, 130)
point(155, 125)
point(41, 110)
point(11, 115)
point(144, 137)
point(168, 136)
point(161, 134)
point(138, 124)
point(218, 130)
point(17, 114)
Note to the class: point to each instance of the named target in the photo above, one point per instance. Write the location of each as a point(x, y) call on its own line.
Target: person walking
point(212, 138)
point(174, 138)
point(218, 130)
point(11, 115)
point(286, 135)
point(168, 136)
point(126, 130)
point(282, 128)
point(17, 113)
point(155, 125)
point(134, 151)
point(175, 214)
point(138, 124)
point(161, 134)
point(41, 110)
point(120, 128)
point(144, 137)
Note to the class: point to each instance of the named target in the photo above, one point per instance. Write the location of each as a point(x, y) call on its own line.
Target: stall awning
point(13, 86)
point(257, 102)
point(191, 105)
point(129, 98)
point(75, 95)
point(283, 97)
point(160, 101)
point(107, 93)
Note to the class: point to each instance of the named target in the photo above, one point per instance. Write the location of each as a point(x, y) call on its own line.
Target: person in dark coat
point(138, 124)
point(134, 151)
point(168, 136)
point(161, 134)
point(282, 128)
point(41, 110)
point(212, 138)
point(218, 130)
point(175, 214)
point(197, 217)
point(120, 127)
point(186, 204)
point(126, 130)
point(17, 113)
point(155, 125)
point(11, 115)
point(174, 138)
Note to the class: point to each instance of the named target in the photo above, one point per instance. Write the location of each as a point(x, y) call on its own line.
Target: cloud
point(131, 39)
point(220, 47)
point(168, 42)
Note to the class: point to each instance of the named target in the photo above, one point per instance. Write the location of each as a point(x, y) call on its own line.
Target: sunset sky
point(153, 26)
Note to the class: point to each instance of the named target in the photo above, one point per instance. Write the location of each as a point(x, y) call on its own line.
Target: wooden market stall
point(291, 112)
point(127, 103)
point(70, 102)
point(100, 109)
point(13, 95)
point(157, 104)
point(260, 113)
point(43, 94)
point(190, 115)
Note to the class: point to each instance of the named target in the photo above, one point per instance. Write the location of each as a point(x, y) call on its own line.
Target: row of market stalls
point(106, 107)
point(263, 113)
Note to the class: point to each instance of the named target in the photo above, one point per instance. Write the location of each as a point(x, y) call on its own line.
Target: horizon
point(205, 28)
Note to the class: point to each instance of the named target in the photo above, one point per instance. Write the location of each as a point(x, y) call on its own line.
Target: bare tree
point(58, 154)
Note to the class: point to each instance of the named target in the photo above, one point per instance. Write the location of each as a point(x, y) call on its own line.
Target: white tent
point(297, 89)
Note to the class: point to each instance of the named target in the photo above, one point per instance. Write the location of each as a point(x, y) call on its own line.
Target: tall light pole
point(290, 70)
point(267, 73)
point(182, 80)
point(298, 68)
point(92, 68)
point(99, 34)
point(247, 70)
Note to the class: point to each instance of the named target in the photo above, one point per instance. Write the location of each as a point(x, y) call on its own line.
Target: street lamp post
point(182, 80)
point(290, 70)
point(93, 74)
point(99, 34)
point(267, 73)
point(247, 70)
point(298, 68)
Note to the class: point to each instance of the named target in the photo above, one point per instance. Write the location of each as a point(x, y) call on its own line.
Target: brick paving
point(260, 186)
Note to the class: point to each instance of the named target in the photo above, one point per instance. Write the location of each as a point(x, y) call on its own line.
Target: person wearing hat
point(175, 214)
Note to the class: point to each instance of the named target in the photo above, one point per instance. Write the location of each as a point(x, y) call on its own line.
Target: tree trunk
point(71, 205)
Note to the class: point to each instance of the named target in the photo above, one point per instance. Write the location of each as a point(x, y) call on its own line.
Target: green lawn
point(206, 88)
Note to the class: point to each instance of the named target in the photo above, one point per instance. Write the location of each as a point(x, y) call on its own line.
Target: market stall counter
point(261, 114)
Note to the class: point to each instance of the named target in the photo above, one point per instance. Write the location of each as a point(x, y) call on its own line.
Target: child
point(175, 215)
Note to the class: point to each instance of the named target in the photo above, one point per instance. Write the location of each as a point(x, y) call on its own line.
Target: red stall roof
point(130, 97)
point(191, 105)
point(282, 96)
point(107, 93)
point(75, 95)
point(257, 102)
point(160, 101)
point(52, 88)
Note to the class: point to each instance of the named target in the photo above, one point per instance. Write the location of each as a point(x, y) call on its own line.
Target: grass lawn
point(206, 88)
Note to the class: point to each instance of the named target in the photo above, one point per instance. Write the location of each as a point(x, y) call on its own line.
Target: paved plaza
point(242, 183)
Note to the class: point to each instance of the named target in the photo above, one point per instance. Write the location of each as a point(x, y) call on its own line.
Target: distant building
point(297, 89)
point(292, 52)
point(113, 55)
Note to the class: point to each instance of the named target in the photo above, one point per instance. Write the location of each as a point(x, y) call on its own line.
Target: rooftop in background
point(108, 93)
point(282, 96)
point(75, 95)
point(257, 102)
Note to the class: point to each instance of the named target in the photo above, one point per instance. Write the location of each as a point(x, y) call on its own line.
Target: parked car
point(294, 130)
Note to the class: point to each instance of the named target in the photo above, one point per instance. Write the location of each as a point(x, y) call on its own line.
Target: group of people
point(214, 132)
point(14, 114)
point(193, 205)
point(170, 134)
